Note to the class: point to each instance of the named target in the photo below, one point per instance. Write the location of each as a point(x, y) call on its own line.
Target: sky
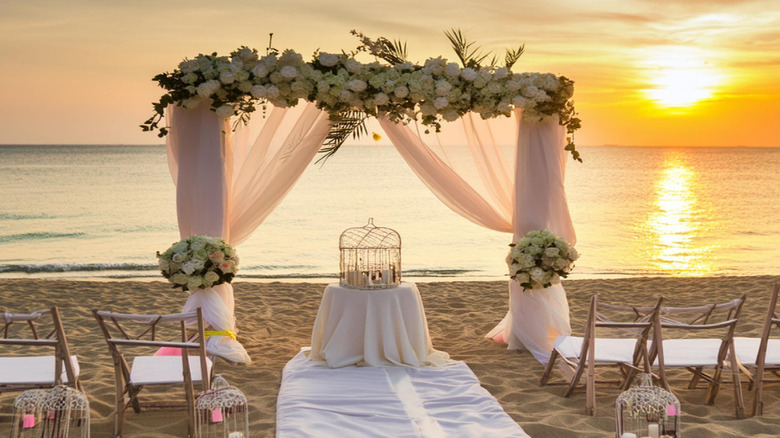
point(646, 72)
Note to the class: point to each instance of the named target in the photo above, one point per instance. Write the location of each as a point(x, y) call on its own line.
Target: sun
point(681, 77)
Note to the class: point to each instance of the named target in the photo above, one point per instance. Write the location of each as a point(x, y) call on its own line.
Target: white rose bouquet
point(199, 262)
point(540, 259)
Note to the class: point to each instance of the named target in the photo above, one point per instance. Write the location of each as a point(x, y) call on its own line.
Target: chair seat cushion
point(747, 351)
point(161, 370)
point(607, 350)
point(690, 352)
point(32, 370)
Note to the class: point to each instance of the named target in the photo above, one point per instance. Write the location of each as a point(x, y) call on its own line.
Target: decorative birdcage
point(66, 413)
point(222, 412)
point(647, 411)
point(28, 413)
point(370, 257)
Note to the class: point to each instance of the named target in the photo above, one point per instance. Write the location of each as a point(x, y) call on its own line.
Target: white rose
point(179, 257)
point(328, 59)
point(381, 99)
point(427, 109)
point(468, 74)
point(225, 111)
point(289, 72)
point(440, 102)
point(573, 254)
point(523, 278)
point(211, 277)
point(357, 85)
point(260, 71)
point(258, 91)
point(178, 278)
point(401, 92)
point(450, 115)
point(352, 65)
point(208, 88)
point(452, 69)
point(189, 78)
point(501, 73)
point(560, 264)
point(227, 77)
point(163, 264)
point(537, 275)
point(194, 283)
point(188, 268)
point(188, 66)
point(272, 92)
point(551, 252)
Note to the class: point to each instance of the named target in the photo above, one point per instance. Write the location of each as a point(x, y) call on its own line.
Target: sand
point(275, 321)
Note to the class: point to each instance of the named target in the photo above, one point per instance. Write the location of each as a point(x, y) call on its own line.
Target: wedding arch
point(228, 181)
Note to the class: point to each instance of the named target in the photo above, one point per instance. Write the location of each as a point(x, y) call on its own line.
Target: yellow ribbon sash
point(210, 333)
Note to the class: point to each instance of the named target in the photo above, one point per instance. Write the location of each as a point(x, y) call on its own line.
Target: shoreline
point(275, 320)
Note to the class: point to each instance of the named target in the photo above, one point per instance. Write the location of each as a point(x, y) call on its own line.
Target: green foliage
point(345, 124)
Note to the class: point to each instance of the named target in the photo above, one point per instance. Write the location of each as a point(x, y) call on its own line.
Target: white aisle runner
point(397, 402)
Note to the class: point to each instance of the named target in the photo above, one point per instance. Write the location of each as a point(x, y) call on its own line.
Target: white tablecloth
point(382, 327)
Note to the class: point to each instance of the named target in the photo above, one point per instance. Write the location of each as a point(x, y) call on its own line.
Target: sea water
point(103, 212)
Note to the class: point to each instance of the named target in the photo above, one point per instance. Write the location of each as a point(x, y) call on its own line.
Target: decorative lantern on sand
point(27, 414)
point(222, 412)
point(647, 411)
point(370, 257)
point(66, 412)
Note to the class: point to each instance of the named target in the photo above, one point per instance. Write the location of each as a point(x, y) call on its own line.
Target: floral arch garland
point(239, 84)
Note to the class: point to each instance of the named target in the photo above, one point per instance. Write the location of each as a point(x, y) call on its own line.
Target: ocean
point(103, 211)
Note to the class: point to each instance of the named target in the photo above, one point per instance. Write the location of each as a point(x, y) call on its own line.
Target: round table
point(380, 327)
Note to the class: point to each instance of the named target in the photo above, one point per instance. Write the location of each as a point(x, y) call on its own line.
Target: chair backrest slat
point(56, 338)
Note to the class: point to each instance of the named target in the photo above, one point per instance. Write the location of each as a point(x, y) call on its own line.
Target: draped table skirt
point(382, 327)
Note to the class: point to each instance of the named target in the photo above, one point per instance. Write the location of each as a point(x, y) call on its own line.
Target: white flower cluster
point(199, 262)
point(540, 259)
point(437, 90)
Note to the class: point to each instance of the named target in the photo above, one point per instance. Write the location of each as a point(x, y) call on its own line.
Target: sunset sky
point(686, 73)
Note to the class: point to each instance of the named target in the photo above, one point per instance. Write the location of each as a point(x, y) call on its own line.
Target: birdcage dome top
point(369, 236)
point(646, 399)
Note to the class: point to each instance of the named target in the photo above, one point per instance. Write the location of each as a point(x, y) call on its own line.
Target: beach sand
point(275, 321)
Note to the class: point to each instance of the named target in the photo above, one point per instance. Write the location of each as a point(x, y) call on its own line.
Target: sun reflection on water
point(673, 225)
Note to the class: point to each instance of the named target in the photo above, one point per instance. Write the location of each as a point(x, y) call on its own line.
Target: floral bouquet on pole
point(540, 259)
point(199, 262)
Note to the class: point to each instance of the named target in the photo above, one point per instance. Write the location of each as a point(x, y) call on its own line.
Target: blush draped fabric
point(228, 183)
point(514, 192)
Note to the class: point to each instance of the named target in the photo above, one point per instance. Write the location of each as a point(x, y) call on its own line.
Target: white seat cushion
point(747, 350)
point(607, 350)
point(161, 370)
point(690, 352)
point(32, 370)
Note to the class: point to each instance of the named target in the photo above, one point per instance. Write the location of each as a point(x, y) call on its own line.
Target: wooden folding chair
point(143, 335)
point(678, 344)
point(628, 352)
point(761, 355)
point(21, 333)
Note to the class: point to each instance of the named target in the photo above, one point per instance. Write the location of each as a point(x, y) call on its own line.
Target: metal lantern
point(28, 413)
point(66, 412)
point(647, 411)
point(222, 412)
point(370, 257)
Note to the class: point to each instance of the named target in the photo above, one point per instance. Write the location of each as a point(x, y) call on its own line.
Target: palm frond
point(394, 52)
point(346, 124)
point(512, 56)
point(469, 57)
